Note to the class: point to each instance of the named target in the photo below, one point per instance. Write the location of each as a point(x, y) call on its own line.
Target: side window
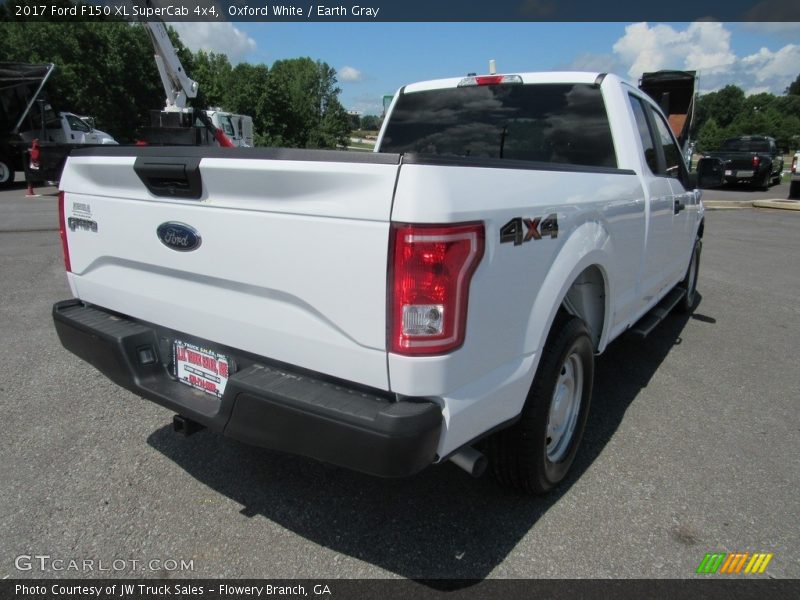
point(672, 154)
point(76, 124)
point(227, 126)
point(644, 133)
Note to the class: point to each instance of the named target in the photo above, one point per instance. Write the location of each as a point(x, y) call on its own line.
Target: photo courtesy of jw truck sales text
point(431, 287)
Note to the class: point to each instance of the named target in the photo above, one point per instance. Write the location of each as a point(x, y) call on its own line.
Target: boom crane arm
point(178, 86)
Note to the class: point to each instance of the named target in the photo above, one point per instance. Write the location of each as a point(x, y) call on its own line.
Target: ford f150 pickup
point(386, 311)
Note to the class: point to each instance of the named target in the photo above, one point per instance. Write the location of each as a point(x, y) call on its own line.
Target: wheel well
point(586, 299)
point(701, 229)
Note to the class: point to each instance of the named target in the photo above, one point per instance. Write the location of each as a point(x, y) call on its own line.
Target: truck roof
point(527, 77)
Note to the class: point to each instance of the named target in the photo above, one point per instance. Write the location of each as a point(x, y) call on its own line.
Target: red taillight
point(62, 226)
point(489, 80)
point(756, 161)
point(431, 269)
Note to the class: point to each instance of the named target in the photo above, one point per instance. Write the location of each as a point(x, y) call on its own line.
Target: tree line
point(106, 70)
point(728, 112)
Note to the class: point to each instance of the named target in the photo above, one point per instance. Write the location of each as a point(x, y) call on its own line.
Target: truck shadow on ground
point(440, 524)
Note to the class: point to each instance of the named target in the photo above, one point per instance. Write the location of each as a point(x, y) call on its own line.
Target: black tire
point(776, 180)
point(689, 282)
point(794, 190)
point(519, 455)
point(763, 182)
point(6, 173)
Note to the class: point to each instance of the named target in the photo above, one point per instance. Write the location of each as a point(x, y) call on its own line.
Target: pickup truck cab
point(68, 128)
point(753, 159)
point(441, 298)
point(238, 128)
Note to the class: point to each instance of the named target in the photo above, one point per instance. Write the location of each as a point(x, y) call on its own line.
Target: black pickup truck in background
point(752, 159)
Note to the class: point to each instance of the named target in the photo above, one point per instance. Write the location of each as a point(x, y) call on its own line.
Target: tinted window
point(558, 123)
point(649, 148)
point(737, 145)
point(672, 154)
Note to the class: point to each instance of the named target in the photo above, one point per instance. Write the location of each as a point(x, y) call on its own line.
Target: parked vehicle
point(794, 185)
point(441, 298)
point(238, 128)
point(178, 123)
point(67, 128)
point(26, 114)
point(752, 159)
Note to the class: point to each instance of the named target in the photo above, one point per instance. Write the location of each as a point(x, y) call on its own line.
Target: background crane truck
point(175, 124)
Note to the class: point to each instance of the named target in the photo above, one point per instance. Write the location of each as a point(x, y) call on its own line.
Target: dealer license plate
point(201, 368)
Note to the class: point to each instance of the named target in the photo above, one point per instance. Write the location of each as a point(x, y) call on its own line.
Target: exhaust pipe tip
point(184, 426)
point(472, 461)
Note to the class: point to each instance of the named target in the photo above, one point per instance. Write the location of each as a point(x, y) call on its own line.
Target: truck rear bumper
point(264, 404)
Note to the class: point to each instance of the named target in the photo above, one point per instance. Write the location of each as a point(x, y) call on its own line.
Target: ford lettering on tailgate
point(179, 236)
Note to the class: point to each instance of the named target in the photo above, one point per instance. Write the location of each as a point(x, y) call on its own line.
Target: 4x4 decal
point(519, 230)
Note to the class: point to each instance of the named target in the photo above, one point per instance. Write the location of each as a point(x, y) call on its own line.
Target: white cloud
point(220, 37)
point(702, 46)
point(350, 75)
point(706, 47)
point(769, 66)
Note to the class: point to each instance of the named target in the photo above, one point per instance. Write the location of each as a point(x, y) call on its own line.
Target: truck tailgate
point(292, 258)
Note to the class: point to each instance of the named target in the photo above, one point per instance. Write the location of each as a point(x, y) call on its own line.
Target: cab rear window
point(552, 123)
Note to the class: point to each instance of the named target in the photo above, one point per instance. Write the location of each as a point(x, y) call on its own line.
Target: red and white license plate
point(201, 368)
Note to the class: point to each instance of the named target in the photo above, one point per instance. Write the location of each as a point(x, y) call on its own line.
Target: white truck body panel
point(287, 269)
point(293, 264)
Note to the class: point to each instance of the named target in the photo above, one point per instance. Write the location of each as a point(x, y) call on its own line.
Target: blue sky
point(373, 59)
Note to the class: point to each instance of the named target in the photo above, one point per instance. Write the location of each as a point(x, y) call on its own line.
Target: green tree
point(370, 123)
point(710, 136)
point(722, 105)
point(103, 69)
point(213, 73)
point(794, 88)
point(302, 99)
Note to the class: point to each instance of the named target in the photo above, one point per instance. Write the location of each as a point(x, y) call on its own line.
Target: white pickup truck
point(385, 311)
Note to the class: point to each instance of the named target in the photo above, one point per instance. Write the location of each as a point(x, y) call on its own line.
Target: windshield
point(557, 123)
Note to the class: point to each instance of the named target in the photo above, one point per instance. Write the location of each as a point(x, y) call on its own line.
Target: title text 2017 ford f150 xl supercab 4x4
point(385, 311)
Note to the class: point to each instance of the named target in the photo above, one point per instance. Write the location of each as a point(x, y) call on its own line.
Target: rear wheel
point(763, 182)
point(535, 454)
point(6, 173)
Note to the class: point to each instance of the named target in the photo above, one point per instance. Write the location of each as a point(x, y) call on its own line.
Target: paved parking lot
point(693, 446)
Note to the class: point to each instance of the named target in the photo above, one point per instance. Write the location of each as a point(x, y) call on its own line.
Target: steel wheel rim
point(4, 172)
point(565, 406)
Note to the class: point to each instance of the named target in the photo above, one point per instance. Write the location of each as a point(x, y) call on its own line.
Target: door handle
point(679, 206)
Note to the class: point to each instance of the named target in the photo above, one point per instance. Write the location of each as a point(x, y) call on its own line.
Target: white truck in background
point(68, 128)
point(386, 311)
point(238, 128)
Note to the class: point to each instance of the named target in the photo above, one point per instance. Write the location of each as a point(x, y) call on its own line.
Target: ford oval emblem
point(179, 236)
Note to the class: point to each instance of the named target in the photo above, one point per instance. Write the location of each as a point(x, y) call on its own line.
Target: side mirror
point(710, 173)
